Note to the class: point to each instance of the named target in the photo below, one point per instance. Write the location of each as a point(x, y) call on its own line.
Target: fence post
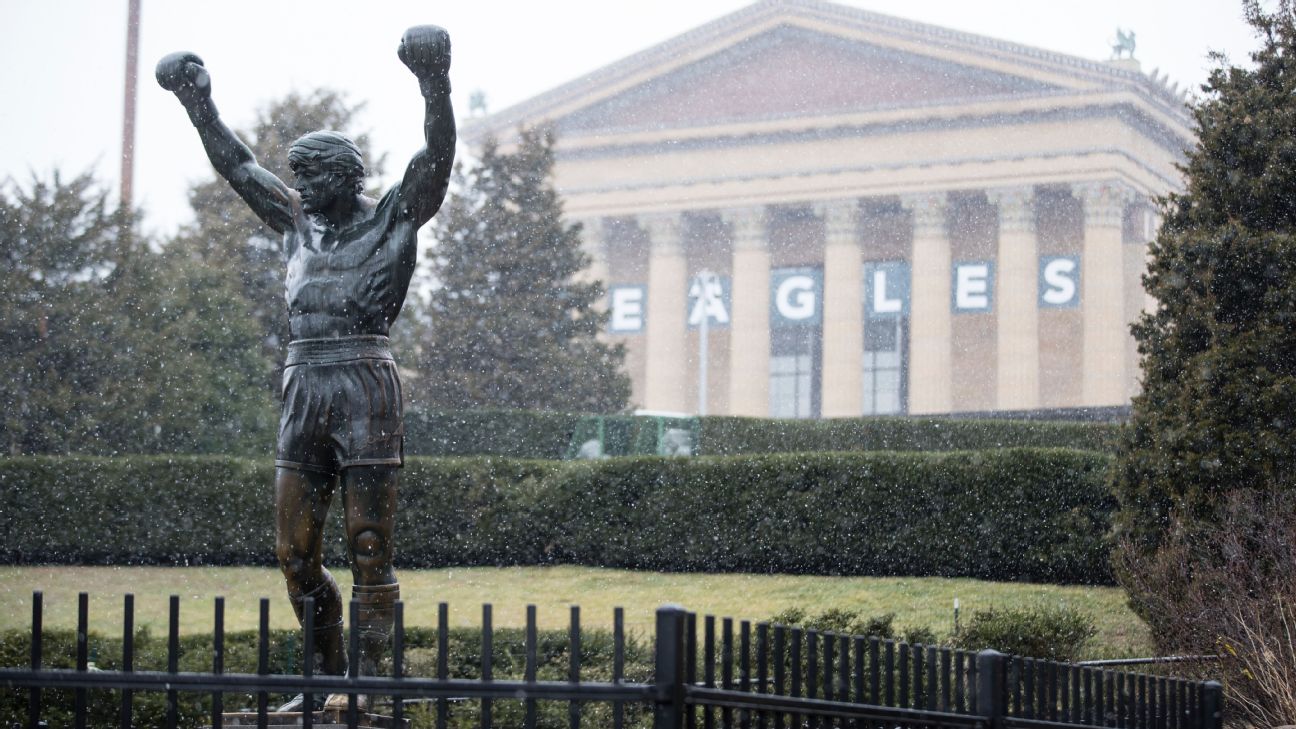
point(1213, 706)
point(668, 713)
point(992, 694)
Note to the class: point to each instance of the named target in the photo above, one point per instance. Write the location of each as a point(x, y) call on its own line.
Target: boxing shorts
point(341, 405)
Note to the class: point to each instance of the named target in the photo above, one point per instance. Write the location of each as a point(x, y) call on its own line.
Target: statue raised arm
point(349, 260)
point(185, 75)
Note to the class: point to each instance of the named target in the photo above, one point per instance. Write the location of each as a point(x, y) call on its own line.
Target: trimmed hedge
point(510, 433)
point(544, 435)
point(722, 435)
point(1009, 515)
point(218, 510)
point(1016, 514)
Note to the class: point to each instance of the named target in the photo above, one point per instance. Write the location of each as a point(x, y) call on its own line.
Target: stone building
point(891, 217)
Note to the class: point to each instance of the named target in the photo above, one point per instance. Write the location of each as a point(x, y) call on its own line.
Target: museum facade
point(803, 209)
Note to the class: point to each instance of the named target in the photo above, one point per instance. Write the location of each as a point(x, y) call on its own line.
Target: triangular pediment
point(789, 71)
point(783, 59)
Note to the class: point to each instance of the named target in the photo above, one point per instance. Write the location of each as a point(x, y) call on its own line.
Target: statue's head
point(327, 166)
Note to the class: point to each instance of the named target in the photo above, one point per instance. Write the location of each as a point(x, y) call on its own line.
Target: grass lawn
point(915, 601)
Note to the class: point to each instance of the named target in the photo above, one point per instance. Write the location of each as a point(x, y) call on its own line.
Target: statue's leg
point(369, 500)
point(301, 505)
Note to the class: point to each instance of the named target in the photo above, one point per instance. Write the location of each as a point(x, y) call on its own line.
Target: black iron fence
point(705, 672)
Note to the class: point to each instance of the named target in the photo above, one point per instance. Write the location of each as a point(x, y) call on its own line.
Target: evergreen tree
point(226, 233)
point(1213, 434)
point(59, 246)
point(196, 371)
point(111, 346)
point(511, 326)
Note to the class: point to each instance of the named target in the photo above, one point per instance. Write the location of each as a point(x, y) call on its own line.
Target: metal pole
point(704, 340)
point(702, 281)
point(128, 107)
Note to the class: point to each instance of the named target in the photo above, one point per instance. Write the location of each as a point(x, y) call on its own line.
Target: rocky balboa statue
point(349, 262)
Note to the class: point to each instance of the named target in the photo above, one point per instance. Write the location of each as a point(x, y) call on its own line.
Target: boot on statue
point(330, 645)
point(374, 621)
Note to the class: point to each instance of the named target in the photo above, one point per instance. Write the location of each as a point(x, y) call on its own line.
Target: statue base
point(321, 720)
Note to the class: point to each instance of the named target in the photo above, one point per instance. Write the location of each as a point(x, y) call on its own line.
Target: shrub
point(732, 435)
point(548, 435)
point(1212, 436)
point(1230, 589)
point(511, 433)
point(1010, 515)
point(1054, 632)
point(852, 622)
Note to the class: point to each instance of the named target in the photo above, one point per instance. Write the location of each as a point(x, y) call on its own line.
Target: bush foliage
point(1054, 632)
point(509, 433)
point(853, 622)
point(546, 435)
point(511, 322)
point(723, 435)
point(1206, 472)
point(1018, 514)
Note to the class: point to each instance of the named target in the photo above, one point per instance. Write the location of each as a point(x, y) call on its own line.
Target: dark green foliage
point(1016, 514)
point(168, 510)
point(919, 635)
point(474, 511)
point(59, 245)
point(511, 433)
point(112, 346)
point(1055, 632)
point(1216, 423)
point(547, 435)
point(189, 380)
point(733, 435)
point(464, 644)
point(852, 622)
point(510, 324)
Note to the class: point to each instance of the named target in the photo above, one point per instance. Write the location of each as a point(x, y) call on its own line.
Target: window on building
point(794, 372)
point(886, 378)
point(886, 337)
point(796, 336)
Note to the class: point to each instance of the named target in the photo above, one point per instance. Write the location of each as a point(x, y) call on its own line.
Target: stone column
point(843, 313)
point(1137, 302)
point(666, 373)
point(594, 244)
point(931, 371)
point(1102, 294)
point(1017, 292)
point(749, 331)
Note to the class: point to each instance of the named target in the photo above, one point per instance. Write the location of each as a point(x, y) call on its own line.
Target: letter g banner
point(796, 297)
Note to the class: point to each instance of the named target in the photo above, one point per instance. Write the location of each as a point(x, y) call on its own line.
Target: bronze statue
point(349, 261)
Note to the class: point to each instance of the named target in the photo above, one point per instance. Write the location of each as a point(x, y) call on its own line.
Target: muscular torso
point(352, 280)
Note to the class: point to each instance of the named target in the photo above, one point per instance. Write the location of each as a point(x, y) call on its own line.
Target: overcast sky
point(62, 63)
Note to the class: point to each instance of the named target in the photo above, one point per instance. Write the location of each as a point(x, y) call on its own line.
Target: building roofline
point(669, 52)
